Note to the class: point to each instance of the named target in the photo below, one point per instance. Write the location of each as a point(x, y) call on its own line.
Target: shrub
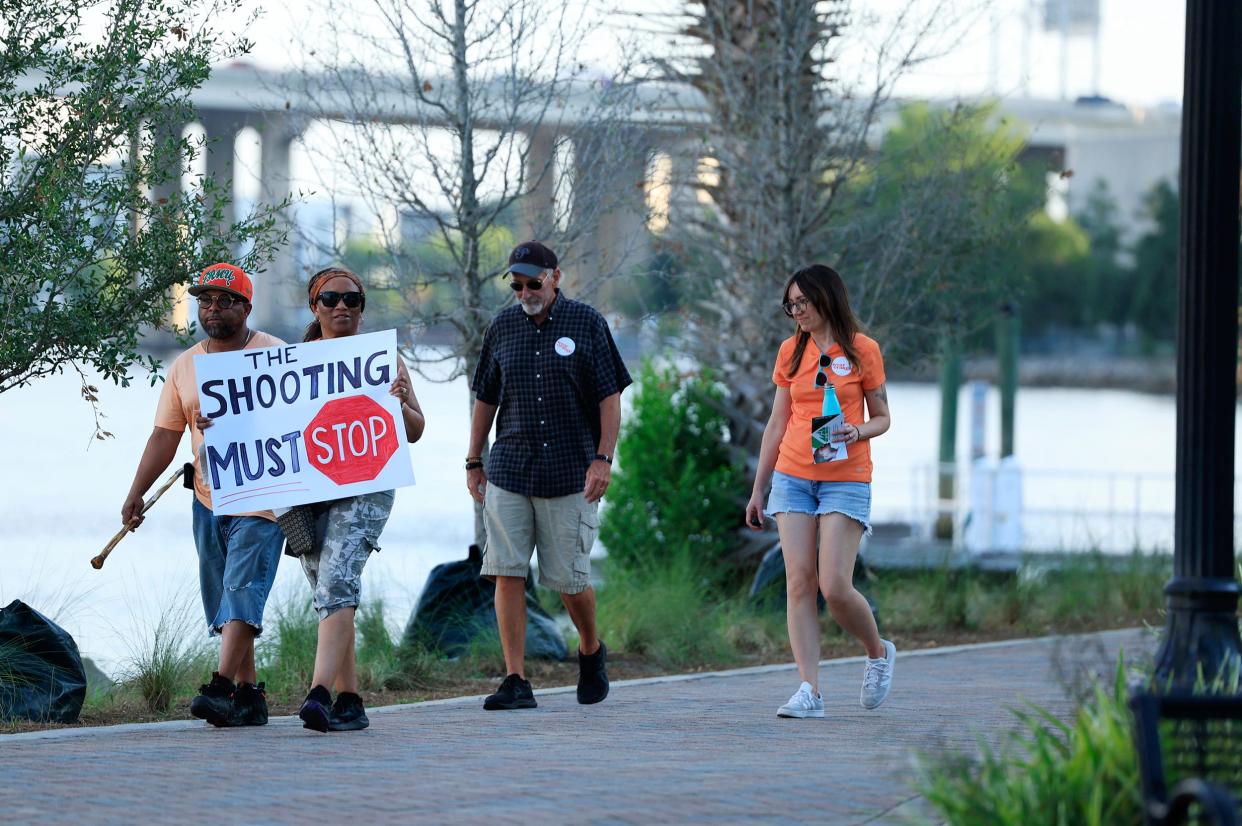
point(1083, 773)
point(674, 493)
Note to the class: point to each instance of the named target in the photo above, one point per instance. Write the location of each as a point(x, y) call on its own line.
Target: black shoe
point(214, 702)
point(593, 676)
point(314, 711)
point(513, 693)
point(249, 705)
point(348, 713)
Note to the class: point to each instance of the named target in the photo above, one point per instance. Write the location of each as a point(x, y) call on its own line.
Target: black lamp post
point(1202, 627)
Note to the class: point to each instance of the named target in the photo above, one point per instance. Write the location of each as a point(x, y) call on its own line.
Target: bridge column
point(168, 191)
point(683, 199)
point(222, 127)
point(623, 239)
point(538, 204)
point(610, 204)
point(284, 313)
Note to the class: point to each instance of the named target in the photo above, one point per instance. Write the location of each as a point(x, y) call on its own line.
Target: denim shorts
point(791, 494)
point(237, 559)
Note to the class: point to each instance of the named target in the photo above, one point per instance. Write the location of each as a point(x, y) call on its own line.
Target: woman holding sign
point(815, 454)
point(346, 530)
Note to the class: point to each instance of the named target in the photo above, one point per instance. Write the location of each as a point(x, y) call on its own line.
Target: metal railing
point(1061, 509)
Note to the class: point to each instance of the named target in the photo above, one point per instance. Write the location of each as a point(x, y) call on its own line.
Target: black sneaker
point(593, 676)
point(314, 711)
point(513, 693)
point(214, 702)
point(249, 705)
point(348, 713)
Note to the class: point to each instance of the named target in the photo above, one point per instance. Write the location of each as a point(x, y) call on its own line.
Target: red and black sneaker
point(214, 702)
point(249, 705)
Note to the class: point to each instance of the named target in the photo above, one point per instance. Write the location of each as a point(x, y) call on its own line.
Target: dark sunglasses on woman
point(330, 298)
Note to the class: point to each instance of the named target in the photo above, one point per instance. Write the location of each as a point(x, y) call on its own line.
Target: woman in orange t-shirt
point(816, 456)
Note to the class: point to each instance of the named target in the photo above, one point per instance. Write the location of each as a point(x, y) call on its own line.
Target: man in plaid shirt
point(551, 378)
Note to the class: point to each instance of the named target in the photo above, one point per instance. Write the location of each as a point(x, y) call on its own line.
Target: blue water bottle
point(831, 406)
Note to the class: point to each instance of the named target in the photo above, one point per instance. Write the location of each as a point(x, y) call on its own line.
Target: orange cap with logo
point(226, 278)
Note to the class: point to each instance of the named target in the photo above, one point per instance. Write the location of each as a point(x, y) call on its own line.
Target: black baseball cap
point(531, 258)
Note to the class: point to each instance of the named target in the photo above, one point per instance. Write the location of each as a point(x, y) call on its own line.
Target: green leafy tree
point(1104, 287)
point(922, 229)
point(90, 120)
point(674, 495)
point(1152, 305)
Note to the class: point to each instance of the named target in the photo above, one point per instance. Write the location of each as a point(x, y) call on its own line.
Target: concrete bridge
point(1128, 149)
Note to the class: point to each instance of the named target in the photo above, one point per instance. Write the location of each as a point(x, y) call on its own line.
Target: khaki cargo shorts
point(563, 528)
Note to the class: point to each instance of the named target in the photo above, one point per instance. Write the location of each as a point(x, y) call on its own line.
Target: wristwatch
point(603, 457)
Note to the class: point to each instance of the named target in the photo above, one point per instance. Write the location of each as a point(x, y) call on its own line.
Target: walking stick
point(98, 561)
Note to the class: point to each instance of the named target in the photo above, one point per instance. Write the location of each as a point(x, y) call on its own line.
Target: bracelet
point(474, 465)
point(603, 457)
point(474, 458)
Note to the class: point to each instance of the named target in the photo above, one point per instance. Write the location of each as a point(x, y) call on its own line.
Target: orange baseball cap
point(226, 278)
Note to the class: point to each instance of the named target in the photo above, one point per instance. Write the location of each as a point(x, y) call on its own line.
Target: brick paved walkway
point(708, 748)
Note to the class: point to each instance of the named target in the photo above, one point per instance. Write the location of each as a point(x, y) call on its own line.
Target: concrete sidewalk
point(694, 748)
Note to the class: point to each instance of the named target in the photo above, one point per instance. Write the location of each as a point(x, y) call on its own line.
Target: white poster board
point(301, 423)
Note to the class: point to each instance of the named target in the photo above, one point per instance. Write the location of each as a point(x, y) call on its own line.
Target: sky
point(1001, 50)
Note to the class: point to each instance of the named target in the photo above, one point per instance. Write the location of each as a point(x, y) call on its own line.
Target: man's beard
point(533, 308)
point(220, 329)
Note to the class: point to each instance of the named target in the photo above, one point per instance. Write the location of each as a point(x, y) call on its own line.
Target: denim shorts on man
point(237, 559)
point(791, 494)
point(563, 528)
point(346, 531)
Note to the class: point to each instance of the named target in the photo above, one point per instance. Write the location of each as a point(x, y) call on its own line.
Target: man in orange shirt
point(237, 555)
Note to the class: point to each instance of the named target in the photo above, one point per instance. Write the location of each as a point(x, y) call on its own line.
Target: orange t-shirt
point(794, 457)
point(178, 406)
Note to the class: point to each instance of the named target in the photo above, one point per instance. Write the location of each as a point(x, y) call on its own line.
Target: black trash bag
point(768, 588)
point(41, 673)
point(457, 606)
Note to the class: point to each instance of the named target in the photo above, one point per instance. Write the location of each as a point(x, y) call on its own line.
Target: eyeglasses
point(534, 285)
point(330, 298)
point(791, 307)
point(821, 378)
point(224, 301)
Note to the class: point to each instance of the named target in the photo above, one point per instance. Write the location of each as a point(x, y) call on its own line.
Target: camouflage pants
point(346, 531)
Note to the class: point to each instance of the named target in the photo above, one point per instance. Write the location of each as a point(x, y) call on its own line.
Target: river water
point(1099, 470)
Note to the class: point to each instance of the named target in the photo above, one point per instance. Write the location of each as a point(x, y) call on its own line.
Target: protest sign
point(301, 423)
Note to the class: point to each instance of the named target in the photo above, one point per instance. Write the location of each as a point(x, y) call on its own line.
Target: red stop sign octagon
point(350, 440)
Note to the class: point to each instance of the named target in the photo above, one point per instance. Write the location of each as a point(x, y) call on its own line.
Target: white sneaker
point(805, 702)
point(878, 677)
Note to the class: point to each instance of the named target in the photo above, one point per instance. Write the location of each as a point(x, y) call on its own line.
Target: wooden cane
point(98, 561)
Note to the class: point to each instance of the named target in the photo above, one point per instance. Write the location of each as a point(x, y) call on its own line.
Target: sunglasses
point(224, 302)
point(330, 298)
point(534, 285)
point(791, 307)
point(821, 378)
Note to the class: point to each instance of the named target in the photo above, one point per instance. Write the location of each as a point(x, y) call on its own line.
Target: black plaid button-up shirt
point(547, 381)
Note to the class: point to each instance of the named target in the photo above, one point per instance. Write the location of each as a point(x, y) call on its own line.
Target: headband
point(322, 277)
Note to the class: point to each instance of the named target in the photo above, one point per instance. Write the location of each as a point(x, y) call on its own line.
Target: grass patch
point(1083, 592)
point(167, 666)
